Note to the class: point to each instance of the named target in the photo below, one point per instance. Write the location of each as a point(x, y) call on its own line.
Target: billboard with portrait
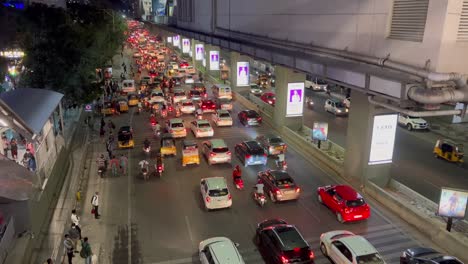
point(176, 41)
point(295, 99)
point(243, 73)
point(169, 39)
point(185, 45)
point(383, 139)
point(199, 52)
point(320, 131)
point(214, 60)
point(452, 203)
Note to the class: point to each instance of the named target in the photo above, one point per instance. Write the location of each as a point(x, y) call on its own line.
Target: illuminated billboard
point(243, 73)
point(214, 60)
point(176, 41)
point(452, 203)
point(185, 45)
point(295, 99)
point(383, 139)
point(199, 52)
point(169, 39)
point(320, 131)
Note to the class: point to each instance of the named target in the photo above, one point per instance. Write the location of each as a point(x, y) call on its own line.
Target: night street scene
point(233, 131)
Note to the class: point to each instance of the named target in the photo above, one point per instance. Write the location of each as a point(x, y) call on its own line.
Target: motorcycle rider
point(157, 129)
point(236, 173)
point(280, 161)
point(159, 162)
point(146, 143)
point(144, 165)
point(102, 163)
point(199, 113)
point(259, 188)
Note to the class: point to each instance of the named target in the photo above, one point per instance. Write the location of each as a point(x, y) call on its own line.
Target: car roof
point(176, 90)
point(280, 175)
point(358, 244)
point(288, 239)
point(252, 144)
point(176, 120)
point(216, 182)
point(347, 192)
point(223, 250)
point(268, 93)
point(188, 142)
point(221, 111)
point(217, 143)
point(248, 111)
point(202, 121)
point(125, 128)
point(334, 100)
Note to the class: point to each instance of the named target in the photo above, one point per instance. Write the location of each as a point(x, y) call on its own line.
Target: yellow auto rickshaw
point(190, 153)
point(133, 99)
point(449, 150)
point(107, 109)
point(125, 137)
point(168, 146)
point(123, 104)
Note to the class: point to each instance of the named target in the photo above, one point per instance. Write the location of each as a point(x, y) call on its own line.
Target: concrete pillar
point(236, 57)
point(212, 56)
point(283, 77)
point(358, 143)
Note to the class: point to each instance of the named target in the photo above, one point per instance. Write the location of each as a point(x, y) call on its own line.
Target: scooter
point(147, 150)
point(156, 132)
point(163, 113)
point(159, 170)
point(239, 183)
point(259, 198)
point(101, 171)
point(139, 110)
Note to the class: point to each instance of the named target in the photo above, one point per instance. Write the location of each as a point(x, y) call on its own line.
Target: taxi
point(107, 109)
point(168, 146)
point(123, 104)
point(125, 137)
point(133, 99)
point(190, 153)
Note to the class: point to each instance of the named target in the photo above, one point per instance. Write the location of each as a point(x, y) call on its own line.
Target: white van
point(222, 91)
point(316, 84)
point(128, 86)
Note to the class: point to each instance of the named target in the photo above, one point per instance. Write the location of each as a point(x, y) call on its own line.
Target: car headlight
point(347, 110)
point(338, 111)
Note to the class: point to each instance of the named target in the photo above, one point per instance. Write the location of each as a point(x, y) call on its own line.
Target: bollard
point(78, 196)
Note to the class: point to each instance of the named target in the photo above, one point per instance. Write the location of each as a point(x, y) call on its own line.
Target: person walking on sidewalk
point(14, 149)
point(103, 123)
point(74, 234)
point(123, 164)
point(114, 165)
point(95, 204)
point(86, 251)
point(76, 220)
point(68, 243)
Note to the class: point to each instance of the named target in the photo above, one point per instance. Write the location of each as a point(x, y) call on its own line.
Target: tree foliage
point(64, 47)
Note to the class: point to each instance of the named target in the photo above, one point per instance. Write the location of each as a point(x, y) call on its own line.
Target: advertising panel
point(185, 45)
point(320, 131)
point(295, 103)
point(214, 60)
point(176, 41)
point(243, 73)
point(169, 39)
point(452, 203)
point(383, 139)
point(108, 73)
point(204, 61)
point(199, 52)
point(160, 7)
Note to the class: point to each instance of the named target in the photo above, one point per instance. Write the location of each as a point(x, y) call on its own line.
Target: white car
point(215, 193)
point(174, 65)
point(345, 247)
point(179, 95)
point(187, 107)
point(176, 128)
point(157, 96)
point(136, 55)
point(189, 79)
point(160, 56)
point(190, 70)
point(201, 128)
point(219, 250)
point(316, 84)
point(222, 118)
point(335, 107)
point(216, 151)
point(181, 72)
point(411, 122)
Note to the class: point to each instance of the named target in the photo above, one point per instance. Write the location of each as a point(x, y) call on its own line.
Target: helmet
point(102, 156)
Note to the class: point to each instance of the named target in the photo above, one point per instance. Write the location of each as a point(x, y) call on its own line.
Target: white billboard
point(214, 60)
point(169, 39)
point(199, 52)
point(295, 103)
point(383, 139)
point(243, 73)
point(452, 203)
point(176, 41)
point(185, 45)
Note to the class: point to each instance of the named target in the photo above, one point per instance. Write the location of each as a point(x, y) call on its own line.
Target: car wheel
point(323, 249)
point(272, 197)
point(319, 198)
point(339, 217)
point(409, 127)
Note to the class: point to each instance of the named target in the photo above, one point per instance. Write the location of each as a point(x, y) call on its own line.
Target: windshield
point(194, 92)
point(339, 105)
point(204, 125)
point(218, 192)
point(276, 140)
point(167, 143)
point(179, 94)
point(252, 114)
point(224, 115)
point(174, 125)
point(321, 82)
point(371, 259)
point(220, 150)
point(124, 137)
point(284, 183)
point(187, 104)
point(157, 94)
point(269, 96)
point(355, 203)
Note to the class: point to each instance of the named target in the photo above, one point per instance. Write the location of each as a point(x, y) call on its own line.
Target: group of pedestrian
point(10, 145)
point(74, 235)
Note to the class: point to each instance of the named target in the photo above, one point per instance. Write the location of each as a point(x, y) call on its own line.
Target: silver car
point(216, 151)
point(279, 185)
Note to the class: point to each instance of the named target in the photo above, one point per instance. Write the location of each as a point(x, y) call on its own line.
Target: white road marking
point(187, 222)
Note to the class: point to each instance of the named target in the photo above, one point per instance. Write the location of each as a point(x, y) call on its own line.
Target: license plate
point(289, 192)
point(279, 148)
point(357, 216)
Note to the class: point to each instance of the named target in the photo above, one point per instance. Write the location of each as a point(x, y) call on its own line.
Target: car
point(272, 144)
point(224, 104)
point(201, 88)
point(201, 128)
point(174, 65)
point(343, 246)
point(174, 57)
point(146, 80)
point(181, 72)
point(249, 118)
point(189, 79)
point(269, 98)
point(250, 153)
point(187, 107)
point(195, 95)
point(335, 107)
point(255, 89)
point(160, 56)
point(215, 193)
point(179, 95)
point(216, 151)
point(208, 106)
point(157, 96)
point(421, 255)
point(412, 123)
point(279, 185)
point(280, 243)
point(190, 70)
point(219, 250)
point(176, 128)
point(316, 84)
point(222, 118)
point(347, 204)
point(137, 55)
point(183, 64)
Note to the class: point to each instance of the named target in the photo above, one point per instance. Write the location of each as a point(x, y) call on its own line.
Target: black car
point(279, 242)
point(420, 255)
point(249, 118)
point(250, 153)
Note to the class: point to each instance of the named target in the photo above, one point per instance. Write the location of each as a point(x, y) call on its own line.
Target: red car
point(183, 64)
point(208, 106)
point(269, 98)
point(345, 202)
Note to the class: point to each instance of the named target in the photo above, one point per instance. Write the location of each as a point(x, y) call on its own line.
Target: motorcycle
point(153, 121)
point(259, 198)
point(156, 132)
point(139, 110)
point(281, 165)
point(239, 183)
point(159, 170)
point(147, 150)
point(101, 171)
point(177, 113)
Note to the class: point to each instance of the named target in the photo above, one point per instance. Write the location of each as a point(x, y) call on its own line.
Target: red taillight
point(212, 154)
point(248, 156)
point(278, 192)
point(229, 197)
point(203, 106)
point(228, 153)
point(198, 130)
point(311, 255)
point(208, 199)
point(265, 155)
point(298, 189)
point(284, 260)
point(259, 118)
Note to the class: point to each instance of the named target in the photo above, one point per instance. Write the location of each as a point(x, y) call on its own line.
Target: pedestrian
point(125, 69)
point(32, 163)
point(6, 145)
point(123, 164)
point(95, 204)
point(68, 243)
point(103, 123)
point(86, 252)
point(74, 234)
point(76, 220)
point(114, 164)
point(110, 125)
point(49, 261)
point(14, 148)
point(102, 132)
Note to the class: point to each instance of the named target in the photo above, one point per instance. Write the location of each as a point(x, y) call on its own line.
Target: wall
point(46, 153)
point(202, 18)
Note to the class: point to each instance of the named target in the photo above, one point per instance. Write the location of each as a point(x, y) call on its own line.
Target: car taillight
point(228, 153)
point(229, 197)
point(265, 155)
point(203, 106)
point(311, 255)
point(248, 156)
point(212, 154)
point(278, 192)
point(259, 118)
point(208, 199)
point(284, 260)
point(298, 189)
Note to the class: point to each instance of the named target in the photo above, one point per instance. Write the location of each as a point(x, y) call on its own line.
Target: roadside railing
point(7, 236)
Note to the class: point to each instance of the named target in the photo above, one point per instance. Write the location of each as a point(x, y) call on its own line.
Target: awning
point(33, 106)
point(16, 182)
